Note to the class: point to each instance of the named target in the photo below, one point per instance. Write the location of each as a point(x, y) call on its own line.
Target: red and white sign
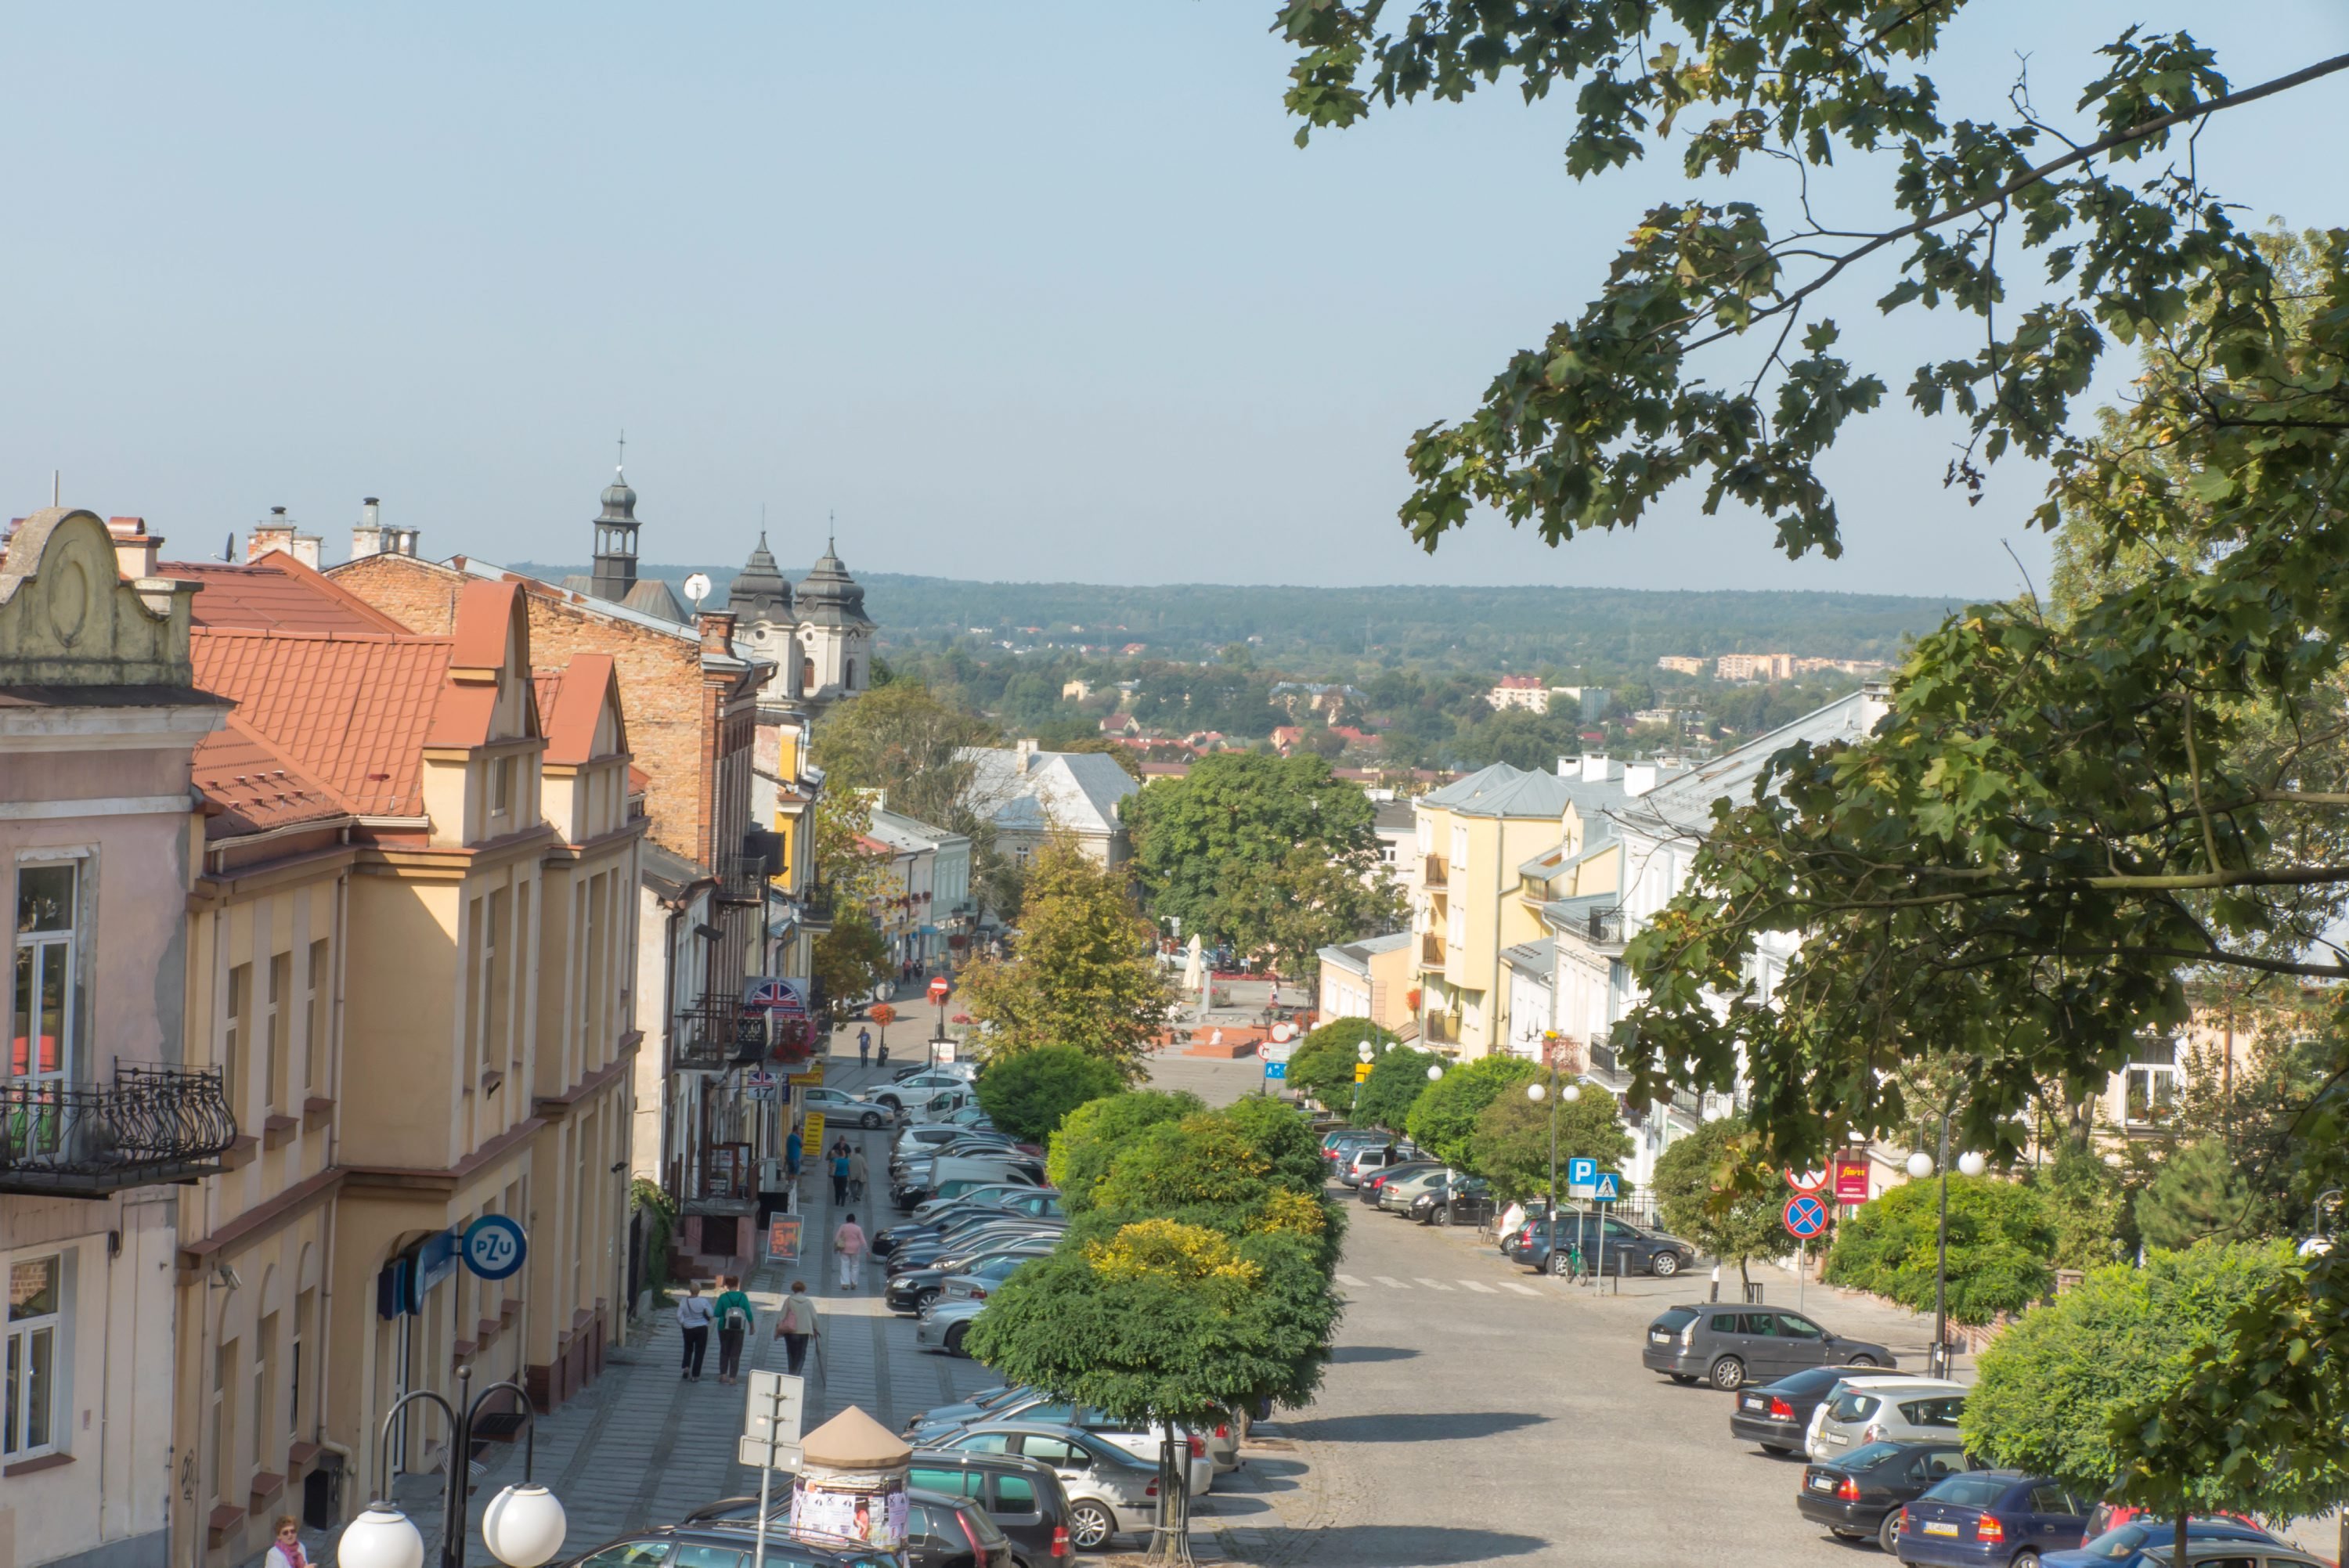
point(1806, 1181)
point(1851, 1179)
point(939, 988)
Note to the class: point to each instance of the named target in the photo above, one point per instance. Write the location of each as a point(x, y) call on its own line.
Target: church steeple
point(615, 537)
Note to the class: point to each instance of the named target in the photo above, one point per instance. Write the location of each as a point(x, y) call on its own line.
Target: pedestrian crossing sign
point(1606, 1189)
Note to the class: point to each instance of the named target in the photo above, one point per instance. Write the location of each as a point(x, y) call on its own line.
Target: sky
point(1015, 291)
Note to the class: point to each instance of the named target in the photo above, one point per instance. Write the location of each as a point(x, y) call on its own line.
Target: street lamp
point(1537, 1093)
point(523, 1525)
point(1922, 1165)
point(1367, 1053)
point(1435, 1072)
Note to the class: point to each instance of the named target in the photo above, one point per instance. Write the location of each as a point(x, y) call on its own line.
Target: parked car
point(1111, 1492)
point(1464, 1201)
point(946, 1527)
point(1731, 1345)
point(914, 1289)
point(1990, 1518)
point(2147, 1543)
point(1372, 1157)
point(1541, 1245)
point(906, 1089)
point(973, 1241)
point(1402, 1184)
point(1011, 1203)
point(841, 1106)
point(977, 1282)
point(1139, 1440)
point(1339, 1146)
point(1023, 1496)
point(942, 1325)
point(2108, 1516)
point(1861, 1494)
point(1778, 1415)
point(1013, 1197)
point(708, 1544)
point(1863, 1410)
point(1372, 1185)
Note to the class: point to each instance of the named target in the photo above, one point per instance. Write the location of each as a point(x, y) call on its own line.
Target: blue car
point(2128, 1545)
point(1992, 1519)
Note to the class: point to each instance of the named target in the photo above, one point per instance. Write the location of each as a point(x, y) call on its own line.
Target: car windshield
point(1809, 1381)
point(1870, 1455)
point(1970, 1490)
point(1851, 1407)
point(1675, 1320)
point(2119, 1543)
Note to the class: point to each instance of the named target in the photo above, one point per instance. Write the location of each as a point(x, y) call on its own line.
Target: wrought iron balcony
point(1604, 927)
point(816, 907)
point(717, 1033)
point(152, 1125)
point(742, 879)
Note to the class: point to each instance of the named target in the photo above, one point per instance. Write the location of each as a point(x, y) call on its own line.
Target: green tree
point(1031, 1093)
point(1290, 909)
point(2062, 819)
point(1712, 1192)
point(2086, 1206)
point(1283, 1138)
point(1511, 1145)
point(1084, 974)
point(2058, 1387)
point(905, 744)
point(1322, 1066)
point(850, 959)
point(1397, 1079)
point(2000, 1240)
point(1442, 1120)
point(1090, 1137)
point(1244, 815)
point(2197, 1194)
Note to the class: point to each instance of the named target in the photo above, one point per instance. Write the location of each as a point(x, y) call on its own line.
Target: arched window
point(848, 674)
point(807, 676)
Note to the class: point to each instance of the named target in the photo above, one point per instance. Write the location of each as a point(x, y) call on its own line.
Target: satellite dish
point(696, 588)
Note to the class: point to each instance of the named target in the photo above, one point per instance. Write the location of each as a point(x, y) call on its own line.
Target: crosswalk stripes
point(1520, 1289)
point(1432, 1283)
point(1479, 1289)
point(1479, 1286)
point(1348, 1281)
point(1391, 1282)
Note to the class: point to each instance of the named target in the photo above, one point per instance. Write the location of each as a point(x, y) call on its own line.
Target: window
point(28, 1403)
point(2152, 1083)
point(305, 1306)
point(1725, 1323)
point(807, 676)
point(949, 1481)
point(984, 1443)
point(2049, 1500)
point(631, 1555)
point(1793, 1326)
point(1459, 848)
point(1933, 1466)
point(502, 772)
point(1941, 1412)
point(264, 1356)
point(848, 674)
point(280, 1019)
point(41, 1040)
point(1855, 1406)
point(223, 1359)
point(313, 1020)
point(1014, 1494)
point(689, 1555)
point(234, 1032)
point(1058, 1452)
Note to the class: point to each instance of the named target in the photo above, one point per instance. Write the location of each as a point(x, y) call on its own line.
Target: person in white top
point(693, 1316)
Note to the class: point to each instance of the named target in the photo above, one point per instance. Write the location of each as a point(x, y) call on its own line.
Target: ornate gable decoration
point(69, 617)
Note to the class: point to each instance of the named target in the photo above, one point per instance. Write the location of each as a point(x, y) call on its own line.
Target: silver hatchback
point(1859, 1411)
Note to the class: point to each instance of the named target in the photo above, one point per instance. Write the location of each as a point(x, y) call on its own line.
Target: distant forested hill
point(1479, 627)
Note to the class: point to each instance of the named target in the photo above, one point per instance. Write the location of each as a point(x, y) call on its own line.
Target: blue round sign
point(1805, 1216)
point(494, 1246)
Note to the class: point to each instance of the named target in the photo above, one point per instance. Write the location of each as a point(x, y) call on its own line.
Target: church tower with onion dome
point(834, 633)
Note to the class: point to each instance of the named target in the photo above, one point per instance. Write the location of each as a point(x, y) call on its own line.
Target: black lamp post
point(1922, 1165)
point(524, 1525)
point(1537, 1093)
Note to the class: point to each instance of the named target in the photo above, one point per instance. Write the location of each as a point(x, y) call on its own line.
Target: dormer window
point(502, 785)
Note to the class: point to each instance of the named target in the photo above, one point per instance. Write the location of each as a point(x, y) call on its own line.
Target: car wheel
point(1439, 1215)
point(2026, 1557)
point(1842, 1534)
point(1888, 1534)
point(1686, 1380)
point(1090, 1525)
point(1728, 1373)
point(1861, 1361)
point(872, 1120)
point(1560, 1264)
point(1663, 1265)
point(922, 1299)
point(954, 1338)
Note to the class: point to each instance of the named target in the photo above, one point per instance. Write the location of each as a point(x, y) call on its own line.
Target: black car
point(1035, 1204)
point(916, 1288)
point(924, 1253)
point(729, 1544)
point(1023, 1496)
point(1777, 1415)
point(1861, 1493)
point(1541, 1247)
point(1466, 1202)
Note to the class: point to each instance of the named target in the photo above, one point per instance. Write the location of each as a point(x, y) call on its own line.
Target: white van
point(936, 1106)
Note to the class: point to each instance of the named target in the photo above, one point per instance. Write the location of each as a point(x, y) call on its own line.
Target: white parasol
point(1195, 968)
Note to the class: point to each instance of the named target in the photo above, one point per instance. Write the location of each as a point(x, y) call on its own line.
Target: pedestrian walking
point(285, 1551)
point(796, 1327)
point(848, 1246)
point(842, 1165)
point(863, 1047)
point(858, 1173)
point(693, 1316)
point(735, 1320)
point(794, 1150)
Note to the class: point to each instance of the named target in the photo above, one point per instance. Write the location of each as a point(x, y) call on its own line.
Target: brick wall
point(421, 595)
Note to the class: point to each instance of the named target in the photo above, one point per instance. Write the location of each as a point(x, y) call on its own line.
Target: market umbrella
point(1194, 968)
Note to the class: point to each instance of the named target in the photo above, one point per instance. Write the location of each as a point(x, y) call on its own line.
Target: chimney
point(1875, 705)
point(403, 541)
point(278, 532)
point(1026, 760)
point(1639, 778)
point(135, 548)
point(369, 537)
point(1569, 767)
point(716, 628)
point(1596, 769)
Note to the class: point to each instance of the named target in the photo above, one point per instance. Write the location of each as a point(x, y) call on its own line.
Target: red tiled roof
point(350, 710)
point(275, 593)
point(571, 704)
point(1521, 683)
point(255, 786)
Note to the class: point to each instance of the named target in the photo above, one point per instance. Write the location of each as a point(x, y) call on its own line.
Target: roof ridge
point(286, 635)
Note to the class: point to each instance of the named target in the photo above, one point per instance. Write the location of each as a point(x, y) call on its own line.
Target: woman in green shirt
point(734, 1320)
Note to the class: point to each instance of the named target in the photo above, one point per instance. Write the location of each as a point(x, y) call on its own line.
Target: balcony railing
point(816, 907)
point(1434, 873)
point(150, 1125)
point(1431, 952)
point(1439, 1029)
point(1604, 926)
point(742, 879)
point(716, 1032)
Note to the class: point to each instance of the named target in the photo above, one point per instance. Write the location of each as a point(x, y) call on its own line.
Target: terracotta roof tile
point(275, 593)
point(571, 703)
point(353, 711)
point(254, 786)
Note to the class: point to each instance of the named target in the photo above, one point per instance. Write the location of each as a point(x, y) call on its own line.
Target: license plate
point(1940, 1527)
point(1660, 1338)
point(1821, 1483)
point(1752, 1401)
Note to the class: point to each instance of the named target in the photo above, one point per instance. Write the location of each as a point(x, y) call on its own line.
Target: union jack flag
point(778, 998)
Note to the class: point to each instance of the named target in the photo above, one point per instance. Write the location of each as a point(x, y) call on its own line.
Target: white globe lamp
point(524, 1526)
point(1537, 1093)
point(1365, 1051)
point(1570, 1093)
point(1972, 1164)
point(381, 1537)
point(1434, 1073)
point(1920, 1165)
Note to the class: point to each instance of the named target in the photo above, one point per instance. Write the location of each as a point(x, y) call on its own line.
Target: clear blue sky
point(1021, 290)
